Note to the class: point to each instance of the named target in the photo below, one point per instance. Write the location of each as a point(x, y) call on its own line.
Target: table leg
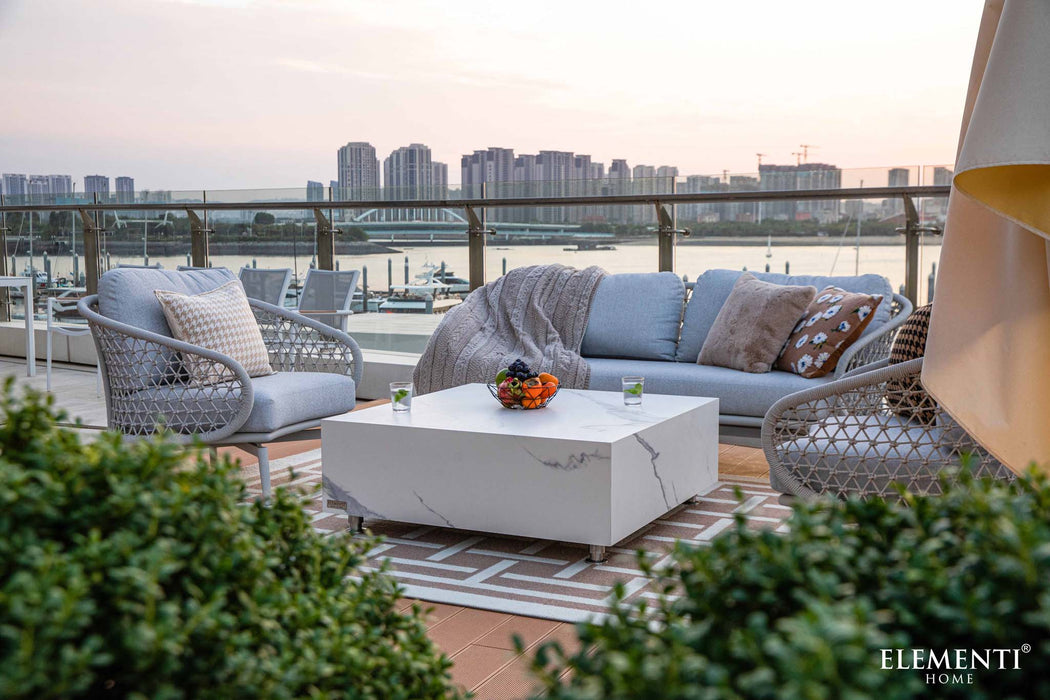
point(597, 554)
point(357, 523)
point(30, 335)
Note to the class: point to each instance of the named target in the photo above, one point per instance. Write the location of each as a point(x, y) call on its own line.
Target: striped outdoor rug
point(523, 576)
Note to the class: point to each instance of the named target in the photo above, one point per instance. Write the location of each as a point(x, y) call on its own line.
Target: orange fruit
point(534, 391)
point(531, 402)
point(548, 378)
point(534, 381)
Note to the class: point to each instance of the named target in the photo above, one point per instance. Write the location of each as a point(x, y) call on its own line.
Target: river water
point(692, 260)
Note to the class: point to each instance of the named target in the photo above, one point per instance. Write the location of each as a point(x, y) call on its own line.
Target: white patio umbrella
point(988, 352)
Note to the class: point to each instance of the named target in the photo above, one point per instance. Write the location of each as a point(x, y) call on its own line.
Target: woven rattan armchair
point(849, 437)
point(317, 369)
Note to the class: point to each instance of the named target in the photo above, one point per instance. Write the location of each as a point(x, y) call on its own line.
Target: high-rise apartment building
point(942, 176)
point(409, 173)
point(125, 189)
point(15, 184)
point(898, 177)
point(38, 187)
point(619, 182)
point(96, 184)
point(803, 176)
point(314, 191)
point(358, 171)
point(555, 172)
point(60, 185)
point(492, 166)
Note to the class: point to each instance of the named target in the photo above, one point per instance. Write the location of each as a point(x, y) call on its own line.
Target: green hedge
point(135, 570)
point(807, 614)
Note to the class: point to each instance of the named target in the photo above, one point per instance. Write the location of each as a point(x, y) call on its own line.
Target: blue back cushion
point(635, 316)
point(713, 287)
point(126, 294)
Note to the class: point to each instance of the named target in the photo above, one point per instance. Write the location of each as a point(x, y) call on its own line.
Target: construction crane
point(805, 150)
point(798, 157)
point(760, 159)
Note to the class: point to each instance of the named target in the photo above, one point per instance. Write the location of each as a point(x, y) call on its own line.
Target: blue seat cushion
point(281, 399)
point(738, 393)
point(635, 316)
point(713, 287)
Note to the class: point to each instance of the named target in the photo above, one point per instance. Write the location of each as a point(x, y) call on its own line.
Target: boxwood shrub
point(136, 569)
point(809, 613)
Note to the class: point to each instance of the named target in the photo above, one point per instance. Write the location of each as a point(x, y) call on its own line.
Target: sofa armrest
point(144, 382)
point(299, 343)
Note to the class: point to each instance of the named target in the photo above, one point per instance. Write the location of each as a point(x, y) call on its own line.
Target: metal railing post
point(5, 294)
point(667, 235)
point(92, 257)
point(325, 242)
point(476, 233)
point(198, 239)
point(913, 231)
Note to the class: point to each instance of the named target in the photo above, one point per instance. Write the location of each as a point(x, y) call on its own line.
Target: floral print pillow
point(833, 322)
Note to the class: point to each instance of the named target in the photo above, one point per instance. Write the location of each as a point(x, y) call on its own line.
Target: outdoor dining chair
point(55, 310)
point(266, 284)
point(327, 295)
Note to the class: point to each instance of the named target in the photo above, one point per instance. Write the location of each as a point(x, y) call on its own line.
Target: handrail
point(497, 202)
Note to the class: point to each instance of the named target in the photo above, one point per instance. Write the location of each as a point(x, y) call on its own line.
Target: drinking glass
point(632, 390)
point(401, 396)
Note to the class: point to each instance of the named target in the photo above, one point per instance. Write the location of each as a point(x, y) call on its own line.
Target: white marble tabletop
point(598, 416)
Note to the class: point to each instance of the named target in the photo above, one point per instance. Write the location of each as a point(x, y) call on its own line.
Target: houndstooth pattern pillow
point(219, 320)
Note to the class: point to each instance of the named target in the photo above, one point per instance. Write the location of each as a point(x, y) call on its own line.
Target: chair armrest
point(844, 438)
point(343, 312)
point(875, 346)
point(144, 381)
point(298, 343)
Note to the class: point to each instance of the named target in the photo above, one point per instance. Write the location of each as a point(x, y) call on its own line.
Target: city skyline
point(703, 92)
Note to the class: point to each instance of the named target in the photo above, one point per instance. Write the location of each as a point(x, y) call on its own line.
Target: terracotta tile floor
point(479, 642)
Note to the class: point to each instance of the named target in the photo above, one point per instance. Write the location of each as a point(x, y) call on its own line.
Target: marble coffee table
point(586, 469)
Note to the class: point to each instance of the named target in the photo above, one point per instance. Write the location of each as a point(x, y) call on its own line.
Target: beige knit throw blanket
point(536, 313)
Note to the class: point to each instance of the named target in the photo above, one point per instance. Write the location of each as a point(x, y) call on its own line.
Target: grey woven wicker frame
point(143, 380)
point(805, 439)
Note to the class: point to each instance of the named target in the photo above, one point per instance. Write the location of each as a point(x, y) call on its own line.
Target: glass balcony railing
point(740, 221)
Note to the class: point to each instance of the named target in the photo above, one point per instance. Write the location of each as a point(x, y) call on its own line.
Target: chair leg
point(264, 469)
point(48, 372)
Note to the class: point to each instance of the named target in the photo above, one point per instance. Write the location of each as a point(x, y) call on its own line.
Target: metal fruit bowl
point(515, 404)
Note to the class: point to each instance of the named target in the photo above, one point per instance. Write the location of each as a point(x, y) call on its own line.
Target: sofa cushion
point(832, 323)
point(739, 393)
point(753, 324)
point(281, 399)
point(635, 316)
point(713, 287)
point(907, 398)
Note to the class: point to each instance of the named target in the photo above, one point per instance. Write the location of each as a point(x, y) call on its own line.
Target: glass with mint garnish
point(401, 396)
point(632, 390)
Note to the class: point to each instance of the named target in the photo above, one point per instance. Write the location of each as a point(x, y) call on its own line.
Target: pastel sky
point(226, 94)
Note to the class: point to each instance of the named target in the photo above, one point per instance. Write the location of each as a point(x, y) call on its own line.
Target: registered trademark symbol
point(1026, 648)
